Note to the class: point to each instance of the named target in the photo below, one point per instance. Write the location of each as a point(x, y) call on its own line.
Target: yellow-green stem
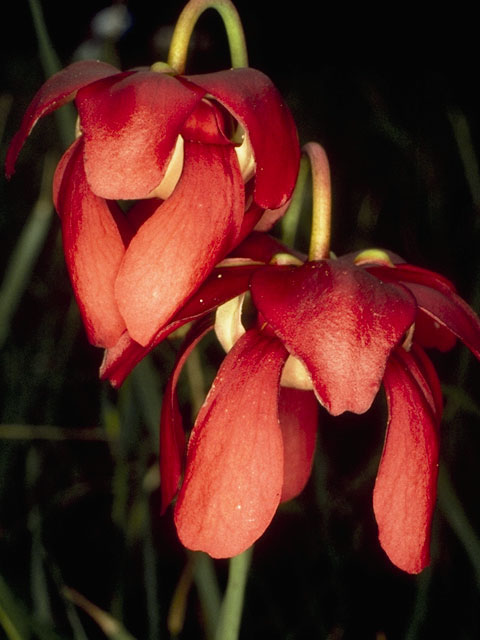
point(177, 56)
point(322, 202)
point(232, 605)
point(208, 591)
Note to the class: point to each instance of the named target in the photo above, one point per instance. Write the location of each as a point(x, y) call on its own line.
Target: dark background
point(394, 100)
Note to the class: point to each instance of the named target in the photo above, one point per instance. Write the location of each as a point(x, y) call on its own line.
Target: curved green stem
point(322, 202)
point(232, 605)
point(177, 56)
point(208, 591)
point(292, 216)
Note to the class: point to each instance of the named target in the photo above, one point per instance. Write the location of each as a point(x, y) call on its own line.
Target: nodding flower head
point(332, 330)
point(196, 153)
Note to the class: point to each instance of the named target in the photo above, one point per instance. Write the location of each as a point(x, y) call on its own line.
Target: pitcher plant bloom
point(330, 329)
point(195, 154)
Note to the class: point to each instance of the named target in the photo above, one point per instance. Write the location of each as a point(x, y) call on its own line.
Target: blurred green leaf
point(147, 389)
point(458, 400)
point(28, 247)
point(454, 513)
point(12, 616)
point(65, 117)
point(107, 623)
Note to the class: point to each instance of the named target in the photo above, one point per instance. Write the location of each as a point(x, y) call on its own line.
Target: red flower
point(166, 141)
point(251, 447)
point(348, 325)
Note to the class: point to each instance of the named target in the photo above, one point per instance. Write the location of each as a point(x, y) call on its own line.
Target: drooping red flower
point(297, 409)
point(168, 142)
point(348, 325)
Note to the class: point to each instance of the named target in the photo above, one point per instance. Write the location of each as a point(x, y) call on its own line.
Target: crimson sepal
point(223, 284)
point(179, 245)
point(234, 472)
point(431, 334)
point(412, 274)
point(298, 414)
point(405, 488)
point(451, 312)
point(172, 436)
point(206, 124)
point(436, 297)
point(271, 216)
point(260, 247)
point(131, 124)
point(339, 321)
point(252, 215)
point(430, 377)
point(141, 211)
point(255, 102)
point(55, 92)
point(94, 234)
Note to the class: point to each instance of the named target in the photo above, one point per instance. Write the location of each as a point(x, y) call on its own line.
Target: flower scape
point(210, 162)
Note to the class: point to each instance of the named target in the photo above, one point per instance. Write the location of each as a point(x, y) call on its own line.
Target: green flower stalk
point(177, 56)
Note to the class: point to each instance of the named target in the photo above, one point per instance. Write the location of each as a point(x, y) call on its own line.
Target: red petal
point(57, 90)
point(271, 217)
point(298, 412)
point(260, 247)
point(205, 125)
point(131, 124)
point(433, 390)
point(141, 211)
point(62, 167)
point(94, 236)
point(339, 321)
point(412, 274)
point(251, 217)
point(450, 311)
point(255, 102)
point(223, 284)
point(172, 437)
point(444, 315)
point(120, 359)
point(176, 248)
point(431, 334)
point(234, 472)
point(405, 489)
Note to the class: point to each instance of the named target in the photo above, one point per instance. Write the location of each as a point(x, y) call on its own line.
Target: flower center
point(295, 375)
point(172, 175)
point(373, 256)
